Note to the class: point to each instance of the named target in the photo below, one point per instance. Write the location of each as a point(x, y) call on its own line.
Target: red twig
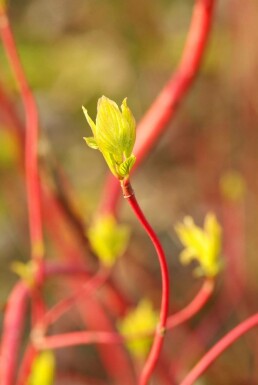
point(100, 337)
point(196, 305)
point(28, 358)
point(93, 314)
point(63, 306)
point(154, 122)
point(12, 330)
point(77, 338)
point(31, 137)
point(160, 332)
point(219, 348)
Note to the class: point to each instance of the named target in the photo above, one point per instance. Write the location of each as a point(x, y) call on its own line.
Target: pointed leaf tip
point(89, 120)
point(91, 142)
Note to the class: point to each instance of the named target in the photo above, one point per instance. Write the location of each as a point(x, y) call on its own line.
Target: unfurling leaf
point(114, 135)
point(201, 245)
point(108, 239)
point(91, 142)
point(126, 166)
point(141, 320)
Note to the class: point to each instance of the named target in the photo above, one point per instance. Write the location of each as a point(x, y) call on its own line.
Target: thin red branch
point(28, 358)
point(64, 305)
point(160, 331)
point(12, 330)
point(193, 307)
point(160, 113)
point(94, 315)
point(77, 338)
point(31, 137)
point(219, 348)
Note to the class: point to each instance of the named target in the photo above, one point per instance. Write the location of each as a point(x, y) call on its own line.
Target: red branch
point(160, 113)
point(160, 332)
point(31, 137)
point(64, 305)
point(219, 348)
point(193, 307)
point(77, 338)
point(12, 330)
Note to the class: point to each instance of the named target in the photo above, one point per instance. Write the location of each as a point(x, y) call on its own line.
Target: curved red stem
point(154, 122)
point(193, 307)
point(159, 334)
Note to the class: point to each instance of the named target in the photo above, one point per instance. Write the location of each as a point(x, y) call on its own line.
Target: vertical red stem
point(160, 332)
point(31, 137)
point(12, 329)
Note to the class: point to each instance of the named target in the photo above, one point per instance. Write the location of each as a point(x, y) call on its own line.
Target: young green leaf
point(91, 142)
point(125, 167)
point(201, 245)
point(108, 239)
point(141, 320)
point(114, 135)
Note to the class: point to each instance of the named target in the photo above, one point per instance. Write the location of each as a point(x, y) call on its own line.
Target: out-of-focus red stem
point(193, 307)
point(160, 332)
point(12, 330)
point(117, 364)
point(65, 269)
point(154, 122)
point(31, 137)
point(219, 348)
point(78, 338)
point(63, 306)
point(27, 361)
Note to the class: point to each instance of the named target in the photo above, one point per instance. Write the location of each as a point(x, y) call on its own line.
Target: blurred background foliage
point(74, 52)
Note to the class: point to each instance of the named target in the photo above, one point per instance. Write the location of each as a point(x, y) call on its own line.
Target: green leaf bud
point(108, 239)
point(140, 320)
point(202, 245)
point(114, 135)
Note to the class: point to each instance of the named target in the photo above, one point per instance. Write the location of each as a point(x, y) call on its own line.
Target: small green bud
point(201, 245)
point(143, 319)
point(114, 135)
point(108, 239)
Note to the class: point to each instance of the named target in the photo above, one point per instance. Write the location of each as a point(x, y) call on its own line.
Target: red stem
point(117, 364)
point(31, 138)
point(193, 307)
point(77, 338)
point(88, 337)
point(12, 330)
point(63, 306)
point(28, 359)
point(219, 348)
point(160, 113)
point(160, 331)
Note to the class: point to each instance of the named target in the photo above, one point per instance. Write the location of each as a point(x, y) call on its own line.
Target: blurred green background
point(75, 51)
